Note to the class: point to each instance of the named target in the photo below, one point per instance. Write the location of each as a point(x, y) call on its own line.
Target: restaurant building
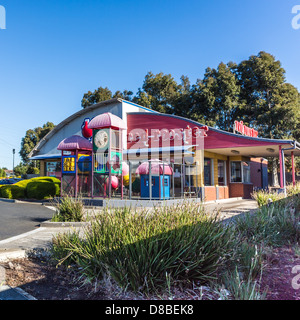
point(114, 148)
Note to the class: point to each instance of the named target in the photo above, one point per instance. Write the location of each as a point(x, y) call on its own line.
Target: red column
point(281, 168)
point(76, 174)
point(293, 168)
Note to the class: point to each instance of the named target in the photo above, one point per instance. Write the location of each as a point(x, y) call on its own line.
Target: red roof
point(75, 143)
point(106, 120)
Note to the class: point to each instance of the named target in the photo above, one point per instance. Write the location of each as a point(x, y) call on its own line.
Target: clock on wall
point(101, 139)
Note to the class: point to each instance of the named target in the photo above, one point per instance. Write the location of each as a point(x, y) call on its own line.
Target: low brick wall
point(240, 190)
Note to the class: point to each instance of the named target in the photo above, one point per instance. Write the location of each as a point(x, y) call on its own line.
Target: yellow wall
point(215, 157)
point(42, 167)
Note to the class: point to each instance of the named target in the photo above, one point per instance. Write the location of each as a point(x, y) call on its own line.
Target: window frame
point(225, 172)
point(211, 172)
point(242, 172)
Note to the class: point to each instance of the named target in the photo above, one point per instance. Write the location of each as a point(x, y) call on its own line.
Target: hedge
point(36, 188)
point(12, 192)
point(40, 190)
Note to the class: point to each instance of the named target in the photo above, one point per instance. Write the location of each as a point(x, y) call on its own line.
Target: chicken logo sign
point(85, 131)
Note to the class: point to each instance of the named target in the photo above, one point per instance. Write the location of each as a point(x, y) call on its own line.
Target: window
point(207, 172)
point(240, 171)
point(221, 173)
point(236, 172)
point(246, 172)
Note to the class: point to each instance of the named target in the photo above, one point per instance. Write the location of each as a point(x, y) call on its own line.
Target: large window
point(240, 171)
point(207, 172)
point(236, 172)
point(246, 172)
point(221, 173)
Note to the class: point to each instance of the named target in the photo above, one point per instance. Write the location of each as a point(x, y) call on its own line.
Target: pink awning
point(106, 120)
point(157, 167)
point(75, 143)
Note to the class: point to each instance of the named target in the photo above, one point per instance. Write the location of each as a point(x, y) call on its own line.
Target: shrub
point(69, 209)
point(273, 225)
point(23, 183)
point(263, 197)
point(54, 181)
point(40, 190)
point(12, 192)
point(144, 251)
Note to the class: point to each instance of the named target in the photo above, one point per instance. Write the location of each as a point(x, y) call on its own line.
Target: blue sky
point(52, 52)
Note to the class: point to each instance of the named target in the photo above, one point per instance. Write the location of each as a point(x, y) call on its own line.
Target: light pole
point(14, 151)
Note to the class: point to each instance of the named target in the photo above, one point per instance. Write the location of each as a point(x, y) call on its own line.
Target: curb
point(10, 254)
point(50, 224)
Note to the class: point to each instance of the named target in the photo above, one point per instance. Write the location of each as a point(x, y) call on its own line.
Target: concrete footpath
point(40, 239)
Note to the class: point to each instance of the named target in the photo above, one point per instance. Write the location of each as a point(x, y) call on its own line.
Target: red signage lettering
point(241, 128)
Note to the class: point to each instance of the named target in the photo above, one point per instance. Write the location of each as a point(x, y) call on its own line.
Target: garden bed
point(46, 282)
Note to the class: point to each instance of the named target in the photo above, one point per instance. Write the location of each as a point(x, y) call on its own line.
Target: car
point(7, 181)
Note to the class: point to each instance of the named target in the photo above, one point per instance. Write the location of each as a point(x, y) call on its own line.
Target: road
point(18, 218)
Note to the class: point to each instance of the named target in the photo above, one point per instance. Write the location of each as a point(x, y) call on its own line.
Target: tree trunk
point(275, 181)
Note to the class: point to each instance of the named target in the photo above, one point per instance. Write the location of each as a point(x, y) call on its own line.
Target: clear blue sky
point(52, 52)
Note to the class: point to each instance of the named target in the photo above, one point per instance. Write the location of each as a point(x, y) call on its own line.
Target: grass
point(143, 251)
point(150, 251)
point(68, 209)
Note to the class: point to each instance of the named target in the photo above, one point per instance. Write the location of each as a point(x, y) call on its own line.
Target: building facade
point(184, 158)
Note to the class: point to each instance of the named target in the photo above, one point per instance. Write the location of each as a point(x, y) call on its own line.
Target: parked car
point(7, 181)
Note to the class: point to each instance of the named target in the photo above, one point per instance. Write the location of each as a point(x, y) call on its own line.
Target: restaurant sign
point(244, 130)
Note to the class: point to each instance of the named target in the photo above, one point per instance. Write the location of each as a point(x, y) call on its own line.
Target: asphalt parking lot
point(18, 218)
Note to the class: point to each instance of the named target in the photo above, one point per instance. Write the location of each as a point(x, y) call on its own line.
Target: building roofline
point(79, 114)
point(279, 141)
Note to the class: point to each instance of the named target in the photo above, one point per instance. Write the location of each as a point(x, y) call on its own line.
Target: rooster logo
point(85, 131)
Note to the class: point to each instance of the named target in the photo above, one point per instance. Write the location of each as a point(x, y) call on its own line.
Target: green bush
point(68, 209)
point(1, 186)
point(263, 197)
point(40, 190)
point(12, 192)
point(272, 225)
point(49, 179)
point(54, 181)
point(144, 251)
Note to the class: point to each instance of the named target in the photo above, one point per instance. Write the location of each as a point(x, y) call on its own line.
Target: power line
point(8, 143)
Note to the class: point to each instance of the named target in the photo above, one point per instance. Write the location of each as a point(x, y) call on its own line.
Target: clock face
point(101, 139)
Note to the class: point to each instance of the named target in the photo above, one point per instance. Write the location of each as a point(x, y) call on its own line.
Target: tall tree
point(271, 104)
point(182, 101)
point(31, 139)
point(158, 92)
point(102, 94)
point(217, 97)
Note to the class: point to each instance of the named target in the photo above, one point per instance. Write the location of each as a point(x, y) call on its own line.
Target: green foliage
point(272, 225)
point(159, 93)
point(271, 105)
point(264, 197)
point(32, 138)
point(141, 251)
point(12, 192)
point(20, 169)
point(216, 97)
point(68, 209)
point(103, 94)
point(40, 190)
point(2, 173)
point(49, 187)
point(254, 90)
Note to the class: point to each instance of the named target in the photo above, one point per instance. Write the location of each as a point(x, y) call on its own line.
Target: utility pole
point(14, 151)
